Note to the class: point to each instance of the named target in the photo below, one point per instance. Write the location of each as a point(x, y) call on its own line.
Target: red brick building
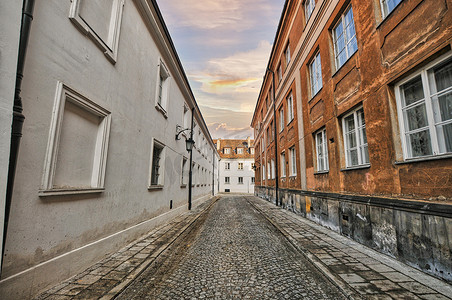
point(370, 83)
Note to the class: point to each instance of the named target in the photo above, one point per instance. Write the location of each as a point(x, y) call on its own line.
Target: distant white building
point(104, 95)
point(236, 171)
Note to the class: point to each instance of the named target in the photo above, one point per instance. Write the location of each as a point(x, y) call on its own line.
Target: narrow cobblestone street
point(243, 247)
point(236, 254)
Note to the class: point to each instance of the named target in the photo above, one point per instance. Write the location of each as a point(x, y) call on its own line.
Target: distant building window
point(281, 119)
point(157, 164)
point(283, 164)
point(253, 180)
point(344, 37)
point(227, 150)
point(287, 54)
point(252, 166)
point(315, 74)
point(269, 170)
point(279, 71)
point(388, 6)
point(293, 161)
point(290, 114)
point(239, 150)
point(424, 104)
point(309, 8)
point(321, 151)
point(252, 150)
point(240, 166)
point(272, 136)
point(355, 138)
point(162, 88)
point(227, 166)
point(240, 180)
point(226, 180)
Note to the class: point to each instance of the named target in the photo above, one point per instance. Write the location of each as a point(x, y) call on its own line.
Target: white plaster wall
point(46, 228)
point(234, 173)
point(10, 19)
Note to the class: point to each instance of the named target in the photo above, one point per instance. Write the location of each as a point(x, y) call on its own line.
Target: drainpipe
point(18, 117)
point(190, 180)
point(276, 140)
point(213, 173)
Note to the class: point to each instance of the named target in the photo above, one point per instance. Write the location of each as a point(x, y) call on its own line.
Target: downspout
point(191, 159)
point(276, 140)
point(213, 172)
point(18, 117)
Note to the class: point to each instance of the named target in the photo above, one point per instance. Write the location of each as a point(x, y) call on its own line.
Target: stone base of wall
point(415, 232)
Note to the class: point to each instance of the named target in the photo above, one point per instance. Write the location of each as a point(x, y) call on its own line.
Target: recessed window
point(240, 180)
point(227, 180)
point(287, 54)
point(425, 110)
point(227, 150)
point(253, 180)
point(279, 71)
point(227, 166)
point(355, 138)
point(239, 150)
point(315, 74)
point(162, 93)
point(273, 168)
point(100, 20)
point(157, 164)
point(252, 150)
point(262, 145)
point(252, 166)
point(321, 147)
point(78, 144)
point(263, 171)
point(283, 164)
point(281, 119)
point(309, 6)
point(184, 171)
point(290, 114)
point(344, 37)
point(293, 161)
point(388, 6)
point(240, 166)
point(269, 170)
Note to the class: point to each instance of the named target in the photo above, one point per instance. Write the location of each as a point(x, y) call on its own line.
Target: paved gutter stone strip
point(352, 265)
point(107, 278)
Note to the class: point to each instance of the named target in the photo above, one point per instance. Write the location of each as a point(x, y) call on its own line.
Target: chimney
point(218, 144)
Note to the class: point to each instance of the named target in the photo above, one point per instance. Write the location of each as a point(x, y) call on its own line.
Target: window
point(157, 164)
point(273, 168)
point(100, 20)
point(272, 131)
point(239, 150)
point(263, 171)
point(321, 151)
point(425, 110)
point(283, 164)
point(355, 139)
point(240, 166)
point(268, 136)
point(308, 8)
point(290, 114)
point(279, 73)
point(184, 170)
point(266, 102)
point(252, 150)
point(240, 180)
point(161, 102)
point(344, 37)
point(252, 166)
point(281, 119)
point(293, 161)
point(253, 180)
point(388, 6)
point(269, 171)
point(287, 54)
point(226, 180)
point(270, 94)
point(227, 150)
point(315, 73)
point(227, 166)
point(77, 150)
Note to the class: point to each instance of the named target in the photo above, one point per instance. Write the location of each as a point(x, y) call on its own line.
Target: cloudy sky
point(224, 47)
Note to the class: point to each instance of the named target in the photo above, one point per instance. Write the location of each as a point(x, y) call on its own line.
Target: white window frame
point(264, 174)
point(161, 178)
point(240, 180)
point(290, 111)
point(287, 54)
point(273, 169)
point(347, 39)
point(240, 166)
point(253, 180)
point(239, 150)
point(384, 7)
point(64, 94)
point(430, 110)
point(309, 6)
point(279, 71)
point(227, 165)
point(252, 150)
point(281, 119)
point(323, 146)
point(269, 170)
point(162, 89)
point(227, 180)
point(359, 143)
point(110, 46)
point(227, 150)
point(293, 161)
point(283, 164)
point(315, 74)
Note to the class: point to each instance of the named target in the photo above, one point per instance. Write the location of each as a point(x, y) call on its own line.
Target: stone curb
point(337, 281)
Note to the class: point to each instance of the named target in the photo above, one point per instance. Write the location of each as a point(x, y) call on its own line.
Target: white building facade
point(236, 171)
point(104, 95)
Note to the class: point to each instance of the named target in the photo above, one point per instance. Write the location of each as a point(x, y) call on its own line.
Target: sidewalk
point(109, 277)
point(359, 271)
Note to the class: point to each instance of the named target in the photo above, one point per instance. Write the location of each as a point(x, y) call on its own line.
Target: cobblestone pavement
point(242, 247)
point(235, 254)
